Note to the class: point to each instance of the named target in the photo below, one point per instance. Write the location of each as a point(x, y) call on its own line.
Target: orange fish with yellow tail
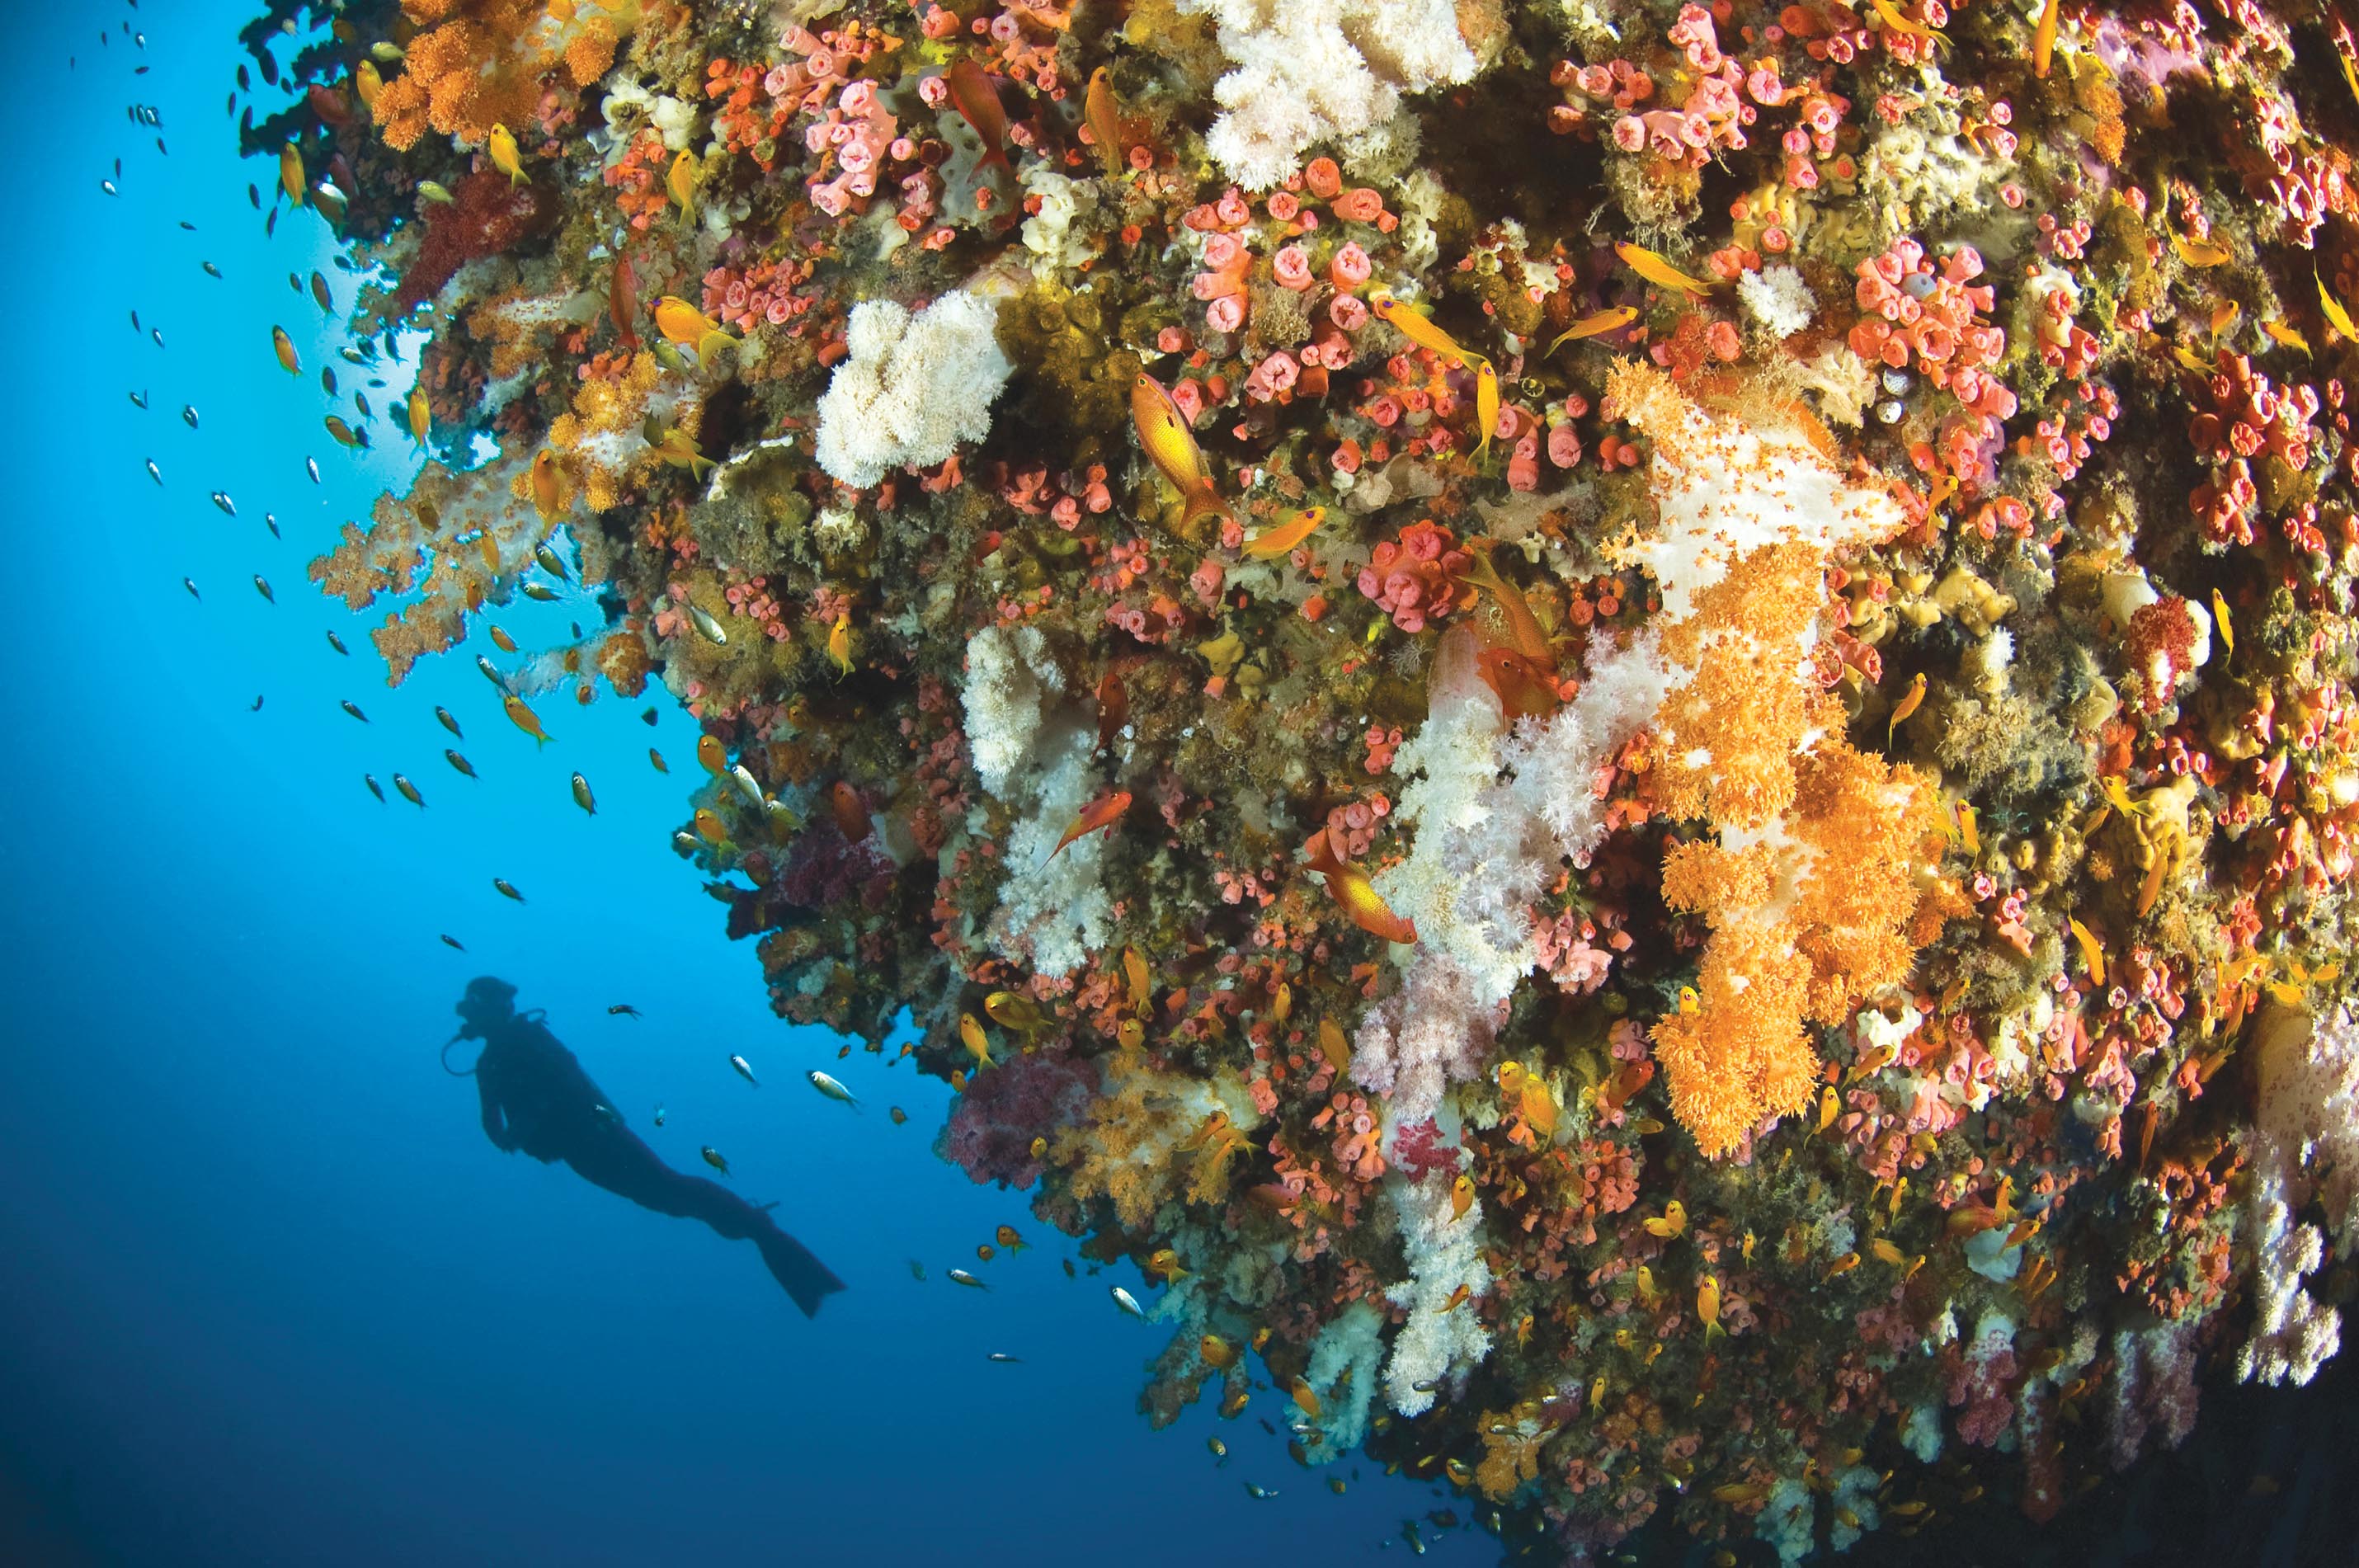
point(1102, 812)
point(1358, 896)
point(1604, 321)
point(1281, 539)
point(1420, 330)
point(525, 719)
point(1171, 445)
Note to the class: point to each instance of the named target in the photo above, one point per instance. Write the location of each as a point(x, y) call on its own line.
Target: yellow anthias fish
point(1134, 970)
point(290, 172)
point(709, 825)
point(1220, 1355)
point(1010, 1009)
point(1673, 1224)
point(1282, 538)
point(680, 183)
point(2093, 955)
point(682, 323)
point(1614, 319)
point(680, 449)
point(712, 753)
point(1651, 267)
point(1171, 445)
point(367, 83)
point(2284, 334)
point(1829, 1106)
point(422, 418)
point(2043, 40)
point(1708, 1305)
point(1306, 1399)
point(971, 1033)
point(1333, 1046)
point(1486, 407)
point(1462, 1196)
point(1892, 18)
point(2350, 77)
point(2220, 618)
point(501, 145)
point(839, 645)
point(2337, 316)
point(1909, 702)
point(2199, 253)
point(1166, 1262)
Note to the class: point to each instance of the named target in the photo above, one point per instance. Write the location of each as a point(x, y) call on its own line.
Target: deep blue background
point(266, 1293)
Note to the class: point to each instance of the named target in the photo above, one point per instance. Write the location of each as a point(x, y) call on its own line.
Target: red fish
point(978, 99)
point(1114, 709)
point(1358, 896)
point(1523, 688)
point(1104, 811)
point(622, 303)
point(851, 814)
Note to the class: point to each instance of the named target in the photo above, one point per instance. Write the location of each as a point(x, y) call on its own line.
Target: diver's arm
point(495, 1126)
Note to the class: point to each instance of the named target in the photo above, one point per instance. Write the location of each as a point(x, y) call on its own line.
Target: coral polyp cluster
point(1625, 728)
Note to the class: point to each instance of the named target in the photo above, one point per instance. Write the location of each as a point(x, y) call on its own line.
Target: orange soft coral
point(1807, 917)
point(480, 64)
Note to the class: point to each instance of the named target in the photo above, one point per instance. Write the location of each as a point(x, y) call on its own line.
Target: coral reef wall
point(1627, 727)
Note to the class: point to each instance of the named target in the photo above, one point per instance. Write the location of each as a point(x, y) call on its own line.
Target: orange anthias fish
point(977, 99)
point(1106, 124)
point(1104, 811)
point(1908, 703)
point(682, 323)
point(713, 753)
point(1524, 690)
point(1420, 330)
point(284, 347)
point(547, 486)
point(421, 417)
point(290, 172)
point(525, 719)
point(851, 815)
point(1171, 445)
point(1280, 539)
point(1524, 631)
point(1358, 896)
point(1604, 321)
point(1462, 1196)
point(1647, 264)
point(1890, 16)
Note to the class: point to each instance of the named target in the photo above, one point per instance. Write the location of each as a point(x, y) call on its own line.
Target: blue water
point(268, 1295)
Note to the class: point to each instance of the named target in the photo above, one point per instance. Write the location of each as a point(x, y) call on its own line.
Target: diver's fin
point(806, 1278)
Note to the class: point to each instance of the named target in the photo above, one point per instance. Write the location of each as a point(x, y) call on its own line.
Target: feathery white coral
point(913, 388)
point(1312, 71)
point(1444, 1251)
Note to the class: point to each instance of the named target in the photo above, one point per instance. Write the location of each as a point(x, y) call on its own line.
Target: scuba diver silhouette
point(537, 1099)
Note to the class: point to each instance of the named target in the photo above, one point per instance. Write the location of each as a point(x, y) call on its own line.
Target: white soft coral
point(912, 389)
point(1313, 70)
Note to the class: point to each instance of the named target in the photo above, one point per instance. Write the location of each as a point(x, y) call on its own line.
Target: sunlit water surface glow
point(269, 1294)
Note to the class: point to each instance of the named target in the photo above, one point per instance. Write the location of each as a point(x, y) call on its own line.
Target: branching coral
point(480, 64)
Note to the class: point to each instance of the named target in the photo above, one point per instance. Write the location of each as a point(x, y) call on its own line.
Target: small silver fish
point(830, 1088)
point(961, 1276)
point(1126, 1302)
point(747, 783)
point(189, 413)
point(659, 1114)
point(1262, 1493)
point(139, 399)
point(707, 627)
point(108, 186)
point(210, 270)
point(154, 472)
point(1001, 1356)
point(228, 506)
point(745, 1070)
point(311, 467)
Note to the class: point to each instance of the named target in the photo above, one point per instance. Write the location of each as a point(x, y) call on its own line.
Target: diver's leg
point(623, 1164)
